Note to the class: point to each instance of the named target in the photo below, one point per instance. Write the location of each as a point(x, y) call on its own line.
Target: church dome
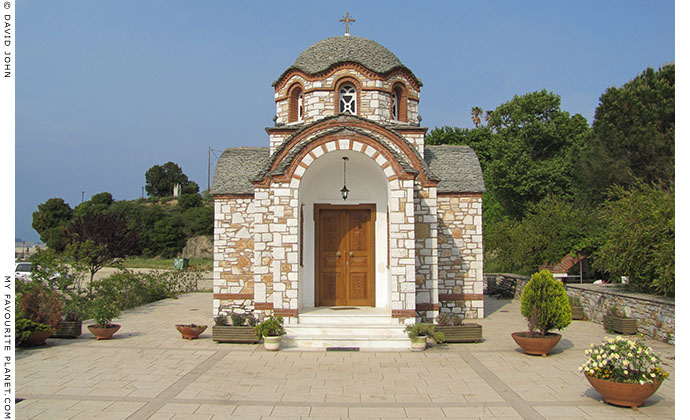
point(340, 49)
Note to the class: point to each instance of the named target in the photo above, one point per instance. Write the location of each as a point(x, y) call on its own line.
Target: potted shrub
point(545, 305)
point(271, 329)
point(616, 321)
point(241, 330)
point(456, 331)
point(421, 333)
point(71, 323)
point(623, 371)
point(576, 309)
point(42, 306)
point(103, 313)
point(29, 333)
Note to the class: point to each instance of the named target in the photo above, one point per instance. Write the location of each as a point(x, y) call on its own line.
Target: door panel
point(345, 255)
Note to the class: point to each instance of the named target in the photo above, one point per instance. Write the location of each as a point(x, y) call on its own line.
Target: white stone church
point(347, 224)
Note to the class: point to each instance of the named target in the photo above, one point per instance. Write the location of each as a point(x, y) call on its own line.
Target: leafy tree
point(198, 221)
point(549, 231)
point(479, 139)
point(160, 180)
point(530, 152)
point(639, 239)
point(100, 202)
point(633, 135)
point(50, 222)
point(166, 238)
point(99, 239)
point(187, 201)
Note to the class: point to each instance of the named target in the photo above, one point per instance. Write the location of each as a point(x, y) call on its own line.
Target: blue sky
point(105, 90)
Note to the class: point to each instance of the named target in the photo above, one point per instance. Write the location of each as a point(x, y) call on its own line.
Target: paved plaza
point(148, 372)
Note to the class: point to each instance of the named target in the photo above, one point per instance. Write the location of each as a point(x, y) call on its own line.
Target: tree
point(160, 179)
point(99, 239)
point(639, 239)
point(100, 202)
point(633, 136)
point(166, 238)
point(530, 152)
point(477, 113)
point(51, 220)
point(198, 221)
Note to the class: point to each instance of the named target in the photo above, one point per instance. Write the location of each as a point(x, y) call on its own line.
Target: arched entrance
point(345, 242)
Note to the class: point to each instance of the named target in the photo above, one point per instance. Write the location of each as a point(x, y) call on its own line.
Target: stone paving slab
point(148, 372)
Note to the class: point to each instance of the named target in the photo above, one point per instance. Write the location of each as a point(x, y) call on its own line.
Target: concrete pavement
point(148, 372)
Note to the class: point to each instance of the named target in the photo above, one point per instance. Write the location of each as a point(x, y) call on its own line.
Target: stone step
point(365, 337)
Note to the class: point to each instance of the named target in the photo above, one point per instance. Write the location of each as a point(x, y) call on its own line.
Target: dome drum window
point(296, 105)
point(347, 99)
point(399, 103)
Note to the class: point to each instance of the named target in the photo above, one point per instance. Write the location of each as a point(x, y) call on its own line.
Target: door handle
point(352, 254)
point(338, 254)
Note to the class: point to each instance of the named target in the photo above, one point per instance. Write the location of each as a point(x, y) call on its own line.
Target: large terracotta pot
point(190, 332)
point(38, 338)
point(418, 343)
point(102, 333)
point(618, 393)
point(540, 346)
point(272, 343)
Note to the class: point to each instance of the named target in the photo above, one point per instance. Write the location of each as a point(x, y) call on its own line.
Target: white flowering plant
point(623, 360)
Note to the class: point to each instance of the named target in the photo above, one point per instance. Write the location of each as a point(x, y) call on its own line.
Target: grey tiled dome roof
point(340, 49)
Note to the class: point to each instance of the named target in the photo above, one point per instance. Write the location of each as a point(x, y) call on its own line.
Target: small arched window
point(399, 103)
point(296, 105)
point(347, 99)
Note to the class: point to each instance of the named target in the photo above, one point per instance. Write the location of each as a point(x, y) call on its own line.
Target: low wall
point(655, 315)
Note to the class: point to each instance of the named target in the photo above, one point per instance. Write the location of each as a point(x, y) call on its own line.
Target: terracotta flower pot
point(272, 343)
point(38, 338)
point(626, 395)
point(190, 332)
point(540, 346)
point(418, 343)
point(104, 333)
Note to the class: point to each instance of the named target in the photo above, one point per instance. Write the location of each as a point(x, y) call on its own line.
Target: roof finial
point(347, 21)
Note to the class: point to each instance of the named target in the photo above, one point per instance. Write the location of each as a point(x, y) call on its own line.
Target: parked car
point(22, 270)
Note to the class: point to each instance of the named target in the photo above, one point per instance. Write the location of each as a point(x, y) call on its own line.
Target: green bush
point(639, 239)
point(24, 328)
point(425, 330)
point(270, 327)
point(104, 311)
point(545, 304)
point(41, 304)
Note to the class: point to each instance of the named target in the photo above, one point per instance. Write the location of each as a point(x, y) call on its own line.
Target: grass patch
point(205, 264)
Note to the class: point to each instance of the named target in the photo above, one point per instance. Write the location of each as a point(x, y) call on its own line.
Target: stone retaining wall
point(655, 315)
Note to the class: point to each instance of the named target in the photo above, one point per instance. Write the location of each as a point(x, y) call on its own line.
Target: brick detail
point(459, 296)
point(263, 306)
point(286, 312)
point(427, 307)
point(233, 296)
point(403, 313)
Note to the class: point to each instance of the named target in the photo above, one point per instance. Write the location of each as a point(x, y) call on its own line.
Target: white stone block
point(344, 144)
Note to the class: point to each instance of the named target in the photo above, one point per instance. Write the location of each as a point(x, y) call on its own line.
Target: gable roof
point(457, 167)
point(236, 167)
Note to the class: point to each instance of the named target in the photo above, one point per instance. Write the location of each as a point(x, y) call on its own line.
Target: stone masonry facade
point(460, 255)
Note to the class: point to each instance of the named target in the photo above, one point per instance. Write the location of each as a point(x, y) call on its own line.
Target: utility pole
point(208, 180)
point(82, 196)
point(142, 192)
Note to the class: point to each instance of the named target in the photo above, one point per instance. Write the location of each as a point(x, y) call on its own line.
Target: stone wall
point(655, 315)
point(426, 228)
point(460, 255)
point(233, 248)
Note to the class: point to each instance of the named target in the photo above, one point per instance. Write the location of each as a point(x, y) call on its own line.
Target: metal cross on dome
point(347, 21)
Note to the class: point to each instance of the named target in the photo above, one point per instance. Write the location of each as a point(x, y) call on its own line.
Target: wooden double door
point(345, 255)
